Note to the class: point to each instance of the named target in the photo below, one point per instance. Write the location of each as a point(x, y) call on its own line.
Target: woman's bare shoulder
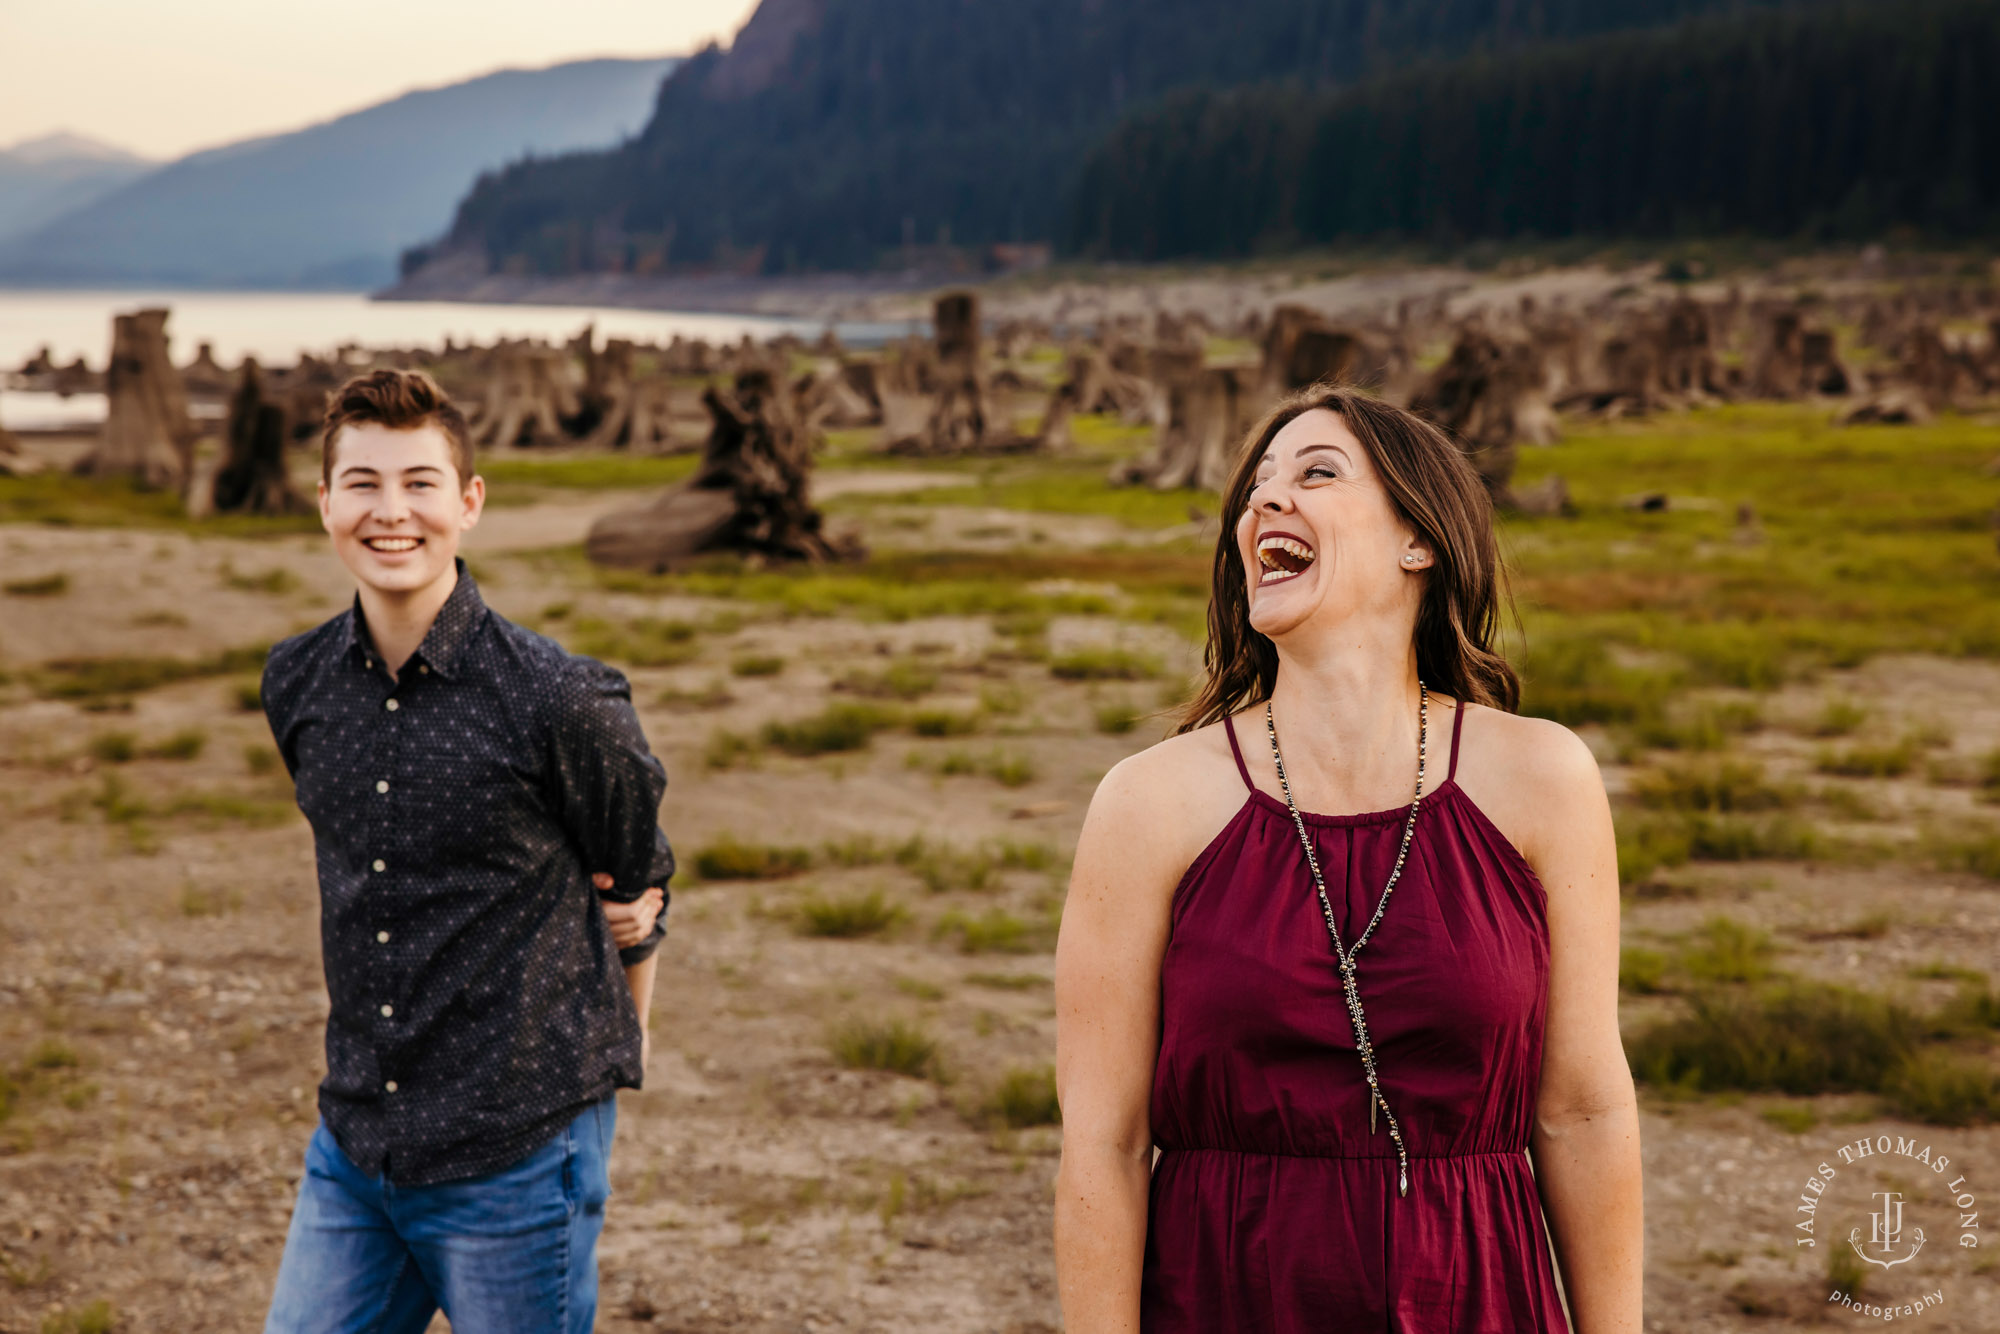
point(1532, 777)
point(1177, 793)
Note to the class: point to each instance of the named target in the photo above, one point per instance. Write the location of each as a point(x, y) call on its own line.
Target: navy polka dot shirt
point(458, 811)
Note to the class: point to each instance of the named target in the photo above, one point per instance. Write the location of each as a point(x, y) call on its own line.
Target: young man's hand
point(630, 922)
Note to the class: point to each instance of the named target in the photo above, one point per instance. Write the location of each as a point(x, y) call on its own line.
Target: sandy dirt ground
point(163, 969)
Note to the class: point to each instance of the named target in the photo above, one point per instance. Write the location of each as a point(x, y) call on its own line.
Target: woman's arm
point(1586, 1135)
point(1114, 933)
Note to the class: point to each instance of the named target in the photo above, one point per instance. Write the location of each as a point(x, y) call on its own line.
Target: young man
point(469, 784)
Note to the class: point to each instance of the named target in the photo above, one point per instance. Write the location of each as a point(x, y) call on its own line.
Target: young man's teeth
point(392, 543)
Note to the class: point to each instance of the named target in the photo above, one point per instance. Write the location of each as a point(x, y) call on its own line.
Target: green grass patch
point(1007, 981)
point(113, 747)
point(836, 728)
point(1840, 717)
point(725, 749)
point(758, 664)
point(63, 499)
point(1705, 726)
point(1005, 767)
point(1105, 664)
point(1977, 851)
point(1868, 539)
point(1024, 1097)
point(848, 916)
point(728, 858)
point(1790, 1037)
point(643, 642)
point(97, 1317)
point(46, 586)
point(1945, 1088)
point(894, 1045)
point(944, 722)
point(1868, 761)
point(1117, 719)
point(1721, 786)
point(97, 678)
point(904, 679)
point(186, 744)
point(995, 931)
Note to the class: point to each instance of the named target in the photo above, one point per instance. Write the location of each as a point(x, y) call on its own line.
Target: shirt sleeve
point(608, 786)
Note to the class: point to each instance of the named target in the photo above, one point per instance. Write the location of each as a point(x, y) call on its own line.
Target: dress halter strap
point(1457, 722)
point(1229, 726)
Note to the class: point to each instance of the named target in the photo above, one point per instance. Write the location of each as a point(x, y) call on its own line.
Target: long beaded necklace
point(1348, 984)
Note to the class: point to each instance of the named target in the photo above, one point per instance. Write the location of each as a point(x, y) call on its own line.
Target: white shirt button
point(391, 705)
point(381, 785)
point(381, 937)
point(388, 1010)
point(380, 865)
point(390, 1086)
point(422, 670)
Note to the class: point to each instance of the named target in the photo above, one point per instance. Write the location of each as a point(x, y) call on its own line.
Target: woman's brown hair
point(1439, 495)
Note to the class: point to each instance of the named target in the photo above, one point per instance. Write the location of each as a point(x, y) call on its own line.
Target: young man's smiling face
point(395, 505)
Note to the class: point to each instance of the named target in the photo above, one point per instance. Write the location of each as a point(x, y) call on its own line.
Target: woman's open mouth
point(391, 546)
point(1283, 557)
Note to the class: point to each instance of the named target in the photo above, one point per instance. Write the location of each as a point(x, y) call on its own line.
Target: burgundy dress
point(1272, 1207)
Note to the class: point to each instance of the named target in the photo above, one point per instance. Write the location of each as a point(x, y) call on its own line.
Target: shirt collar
point(461, 615)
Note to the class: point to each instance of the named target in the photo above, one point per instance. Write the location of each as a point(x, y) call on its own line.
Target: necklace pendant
point(1402, 1181)
point(1374, 1101)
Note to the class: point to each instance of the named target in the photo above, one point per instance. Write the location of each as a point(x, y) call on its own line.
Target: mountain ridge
point(835, 134)
point(333, 203)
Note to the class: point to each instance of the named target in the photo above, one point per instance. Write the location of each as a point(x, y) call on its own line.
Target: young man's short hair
point(401, 401)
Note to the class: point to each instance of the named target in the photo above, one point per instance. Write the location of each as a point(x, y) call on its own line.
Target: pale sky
point(164, 77)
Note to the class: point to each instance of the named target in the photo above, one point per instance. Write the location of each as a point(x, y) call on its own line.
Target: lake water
point(277, 326)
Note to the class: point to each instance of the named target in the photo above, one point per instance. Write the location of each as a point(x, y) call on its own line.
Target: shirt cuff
point(639, 953)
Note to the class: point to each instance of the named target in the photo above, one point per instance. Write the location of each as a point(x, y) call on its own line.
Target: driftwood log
point(252, 478)
point(148, 434)
point(751, 493)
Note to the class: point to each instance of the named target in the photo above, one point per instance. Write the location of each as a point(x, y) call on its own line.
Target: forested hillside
point(834, 131)
point(1833, 122)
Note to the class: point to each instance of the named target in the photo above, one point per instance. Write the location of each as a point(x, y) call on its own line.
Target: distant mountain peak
point(67, 146)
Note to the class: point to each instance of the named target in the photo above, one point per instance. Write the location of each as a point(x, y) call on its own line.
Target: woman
point(1200, 1005)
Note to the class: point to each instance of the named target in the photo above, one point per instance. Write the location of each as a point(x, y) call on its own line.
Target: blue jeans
point(511, 1252)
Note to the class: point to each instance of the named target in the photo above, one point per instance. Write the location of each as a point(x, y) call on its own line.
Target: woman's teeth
point(1282, 558)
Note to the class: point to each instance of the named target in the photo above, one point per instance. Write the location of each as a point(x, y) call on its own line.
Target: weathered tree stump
point(148, 434)
point(528, 396)
point(1206, 407)
point(1797, 362)
point(631, 412)
point(956, 422)
point(204, 375)
point(751, 493)
point(252, 479)
point(1487, 394)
